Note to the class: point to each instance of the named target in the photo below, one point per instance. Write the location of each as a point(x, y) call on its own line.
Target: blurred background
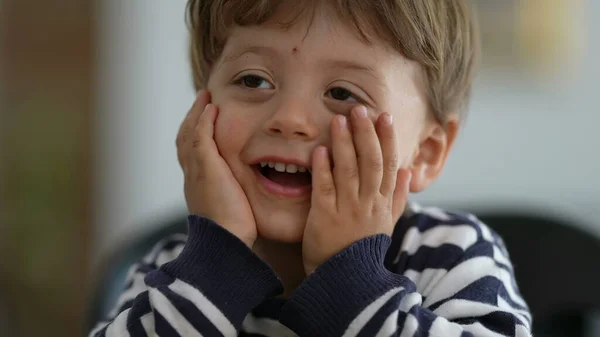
point(92, 94)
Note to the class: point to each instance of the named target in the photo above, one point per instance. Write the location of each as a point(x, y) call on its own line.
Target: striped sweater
point(440, 274)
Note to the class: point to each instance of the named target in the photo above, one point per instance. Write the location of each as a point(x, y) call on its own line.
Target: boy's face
point(277, 91)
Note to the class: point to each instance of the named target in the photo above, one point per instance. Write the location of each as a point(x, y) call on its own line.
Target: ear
point(430, 157)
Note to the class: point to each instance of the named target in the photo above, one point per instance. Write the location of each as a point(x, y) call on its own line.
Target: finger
point(389, 153)
point(203, 143)
point(345, 168)
point(323, 186)
point(203, 147)
point(401, 191)
point(191, 118)
point(188, 125)
point(368, 152)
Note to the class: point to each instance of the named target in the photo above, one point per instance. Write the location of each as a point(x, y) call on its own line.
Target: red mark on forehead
point(294, 51)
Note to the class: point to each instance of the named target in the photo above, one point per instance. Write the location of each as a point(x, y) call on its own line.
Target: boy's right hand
point(210, 188)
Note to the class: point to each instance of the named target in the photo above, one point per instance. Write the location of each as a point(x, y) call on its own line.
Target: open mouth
point(284, 179)
point(285, 174)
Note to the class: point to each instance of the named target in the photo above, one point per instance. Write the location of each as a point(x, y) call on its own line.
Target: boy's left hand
point(363, 195)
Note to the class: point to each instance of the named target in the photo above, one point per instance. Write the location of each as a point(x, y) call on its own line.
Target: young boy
point(316, 120)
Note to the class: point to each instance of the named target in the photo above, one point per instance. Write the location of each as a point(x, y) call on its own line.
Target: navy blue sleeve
point(207, 290)
point(353, 294)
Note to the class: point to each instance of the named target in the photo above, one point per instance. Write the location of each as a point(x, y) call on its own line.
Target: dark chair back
point(557, 267)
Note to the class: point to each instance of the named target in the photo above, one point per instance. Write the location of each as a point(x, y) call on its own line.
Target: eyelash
point(356, 98)
point(241, 82)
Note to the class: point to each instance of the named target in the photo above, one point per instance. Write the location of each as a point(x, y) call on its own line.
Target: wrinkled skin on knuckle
point(196, 144)
point(327, 189)
point(201, 176)
point(376, 164)
point(350, 172)
point(392, 164)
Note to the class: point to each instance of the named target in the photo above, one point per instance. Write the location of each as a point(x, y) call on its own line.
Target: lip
point(273, 188)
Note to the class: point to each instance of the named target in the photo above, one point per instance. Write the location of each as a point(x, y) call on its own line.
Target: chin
point(280, 211)
point(281, 225)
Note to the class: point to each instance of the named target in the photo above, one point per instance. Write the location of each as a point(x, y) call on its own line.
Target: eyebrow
point(258, 50)
point(350, 65)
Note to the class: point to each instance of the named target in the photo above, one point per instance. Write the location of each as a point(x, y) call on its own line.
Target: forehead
point(318, 36)
point(302, 17)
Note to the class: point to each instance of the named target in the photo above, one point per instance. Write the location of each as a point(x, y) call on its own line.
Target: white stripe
point(160, 247)
point(411, 325)
point(441, 327)
point(411, 209)
point(163, 306)
point(137, 278)
point(426, 280)
point(477, 329)
point(119, 326)
point(389, 326)
point(137, 286)
point(97, 328)
point(522, 331)
point(409, 301)
point(266, 326)
point(132, 270)
point(212, 313)
point(485, 230)
point(458, 308)
point(148, 324)
point(359, 322)
point(463, 236)
point(468, 272)
point(168, 255)
point(501, 258)
point(391, 323)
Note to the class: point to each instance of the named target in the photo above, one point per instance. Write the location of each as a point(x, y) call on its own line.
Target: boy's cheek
point(230, 132)
point(407, 136)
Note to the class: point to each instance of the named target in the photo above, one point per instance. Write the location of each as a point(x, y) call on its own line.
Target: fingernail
point(207, 107)
point(323, 151)
point(388, 119)
point(361, 111)
point(342, 121)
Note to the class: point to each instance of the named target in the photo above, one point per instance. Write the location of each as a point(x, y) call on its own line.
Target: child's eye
point(342, 94)
point(254, 82)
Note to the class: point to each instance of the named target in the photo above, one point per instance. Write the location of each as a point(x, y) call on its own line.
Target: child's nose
point(293, 121)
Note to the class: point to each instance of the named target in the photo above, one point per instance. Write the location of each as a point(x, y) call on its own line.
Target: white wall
point(526, 143)
point(530, 143)
point(144, 90)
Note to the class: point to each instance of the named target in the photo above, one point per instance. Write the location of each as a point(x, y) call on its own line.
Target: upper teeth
point(281, 167)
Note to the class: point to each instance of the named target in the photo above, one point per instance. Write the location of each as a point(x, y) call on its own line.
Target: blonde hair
point(440, 35)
